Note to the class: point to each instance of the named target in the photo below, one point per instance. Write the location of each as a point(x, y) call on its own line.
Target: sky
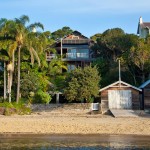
point(86, 16)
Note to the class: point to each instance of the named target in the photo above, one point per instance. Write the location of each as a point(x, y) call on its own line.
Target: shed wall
point(104, 98)
point(147, 97)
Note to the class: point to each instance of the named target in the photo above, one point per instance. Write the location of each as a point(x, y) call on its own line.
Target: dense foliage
point(82, 84)
point(29, 77)
point(114, 44)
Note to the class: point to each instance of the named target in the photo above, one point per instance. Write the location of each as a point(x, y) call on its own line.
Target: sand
point(73, 122)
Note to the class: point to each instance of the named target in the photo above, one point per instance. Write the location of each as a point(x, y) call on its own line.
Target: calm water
point(73, 142)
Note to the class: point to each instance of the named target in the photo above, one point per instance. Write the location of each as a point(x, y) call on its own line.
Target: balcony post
point(61, 48)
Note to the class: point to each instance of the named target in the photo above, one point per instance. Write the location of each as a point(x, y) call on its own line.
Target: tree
point(95, 37)
point(20, 35)
point(82, 84)
point(60, 33)
point(107, 45)
point(7, 48)
point(139, 56)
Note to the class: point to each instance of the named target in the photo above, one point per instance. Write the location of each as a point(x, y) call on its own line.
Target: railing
point(49, 57)
point(75, 41)
point(77, 55)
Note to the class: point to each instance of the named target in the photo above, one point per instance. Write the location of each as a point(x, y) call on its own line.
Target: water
point(74, 142)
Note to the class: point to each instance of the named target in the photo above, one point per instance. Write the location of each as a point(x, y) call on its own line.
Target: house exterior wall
point(74, 50)
point(146, 93)
point(104, 98)
point(143, 32)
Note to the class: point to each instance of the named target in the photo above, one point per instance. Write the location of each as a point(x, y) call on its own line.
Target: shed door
point(119, 99)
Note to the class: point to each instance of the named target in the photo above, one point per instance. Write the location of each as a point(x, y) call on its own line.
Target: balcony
point(76, 57)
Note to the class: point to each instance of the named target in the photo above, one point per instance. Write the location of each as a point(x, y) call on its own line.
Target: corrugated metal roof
point(145, 84)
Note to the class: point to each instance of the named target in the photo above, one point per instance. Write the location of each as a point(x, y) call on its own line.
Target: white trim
point(113, 84)
point(145, 84)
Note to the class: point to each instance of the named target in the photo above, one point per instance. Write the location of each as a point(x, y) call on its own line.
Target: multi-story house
point(143, 28)
point(74, 49)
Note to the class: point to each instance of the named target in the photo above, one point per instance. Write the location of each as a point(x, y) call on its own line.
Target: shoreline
point(55, 135)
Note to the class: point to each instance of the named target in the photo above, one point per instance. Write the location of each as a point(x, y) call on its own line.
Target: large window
point(82, 53)
point(78, 53)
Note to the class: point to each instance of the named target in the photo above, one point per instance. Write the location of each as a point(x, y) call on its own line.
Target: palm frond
point(32, 56)
point(22, 20)
point(35, 25)
point(36, 56)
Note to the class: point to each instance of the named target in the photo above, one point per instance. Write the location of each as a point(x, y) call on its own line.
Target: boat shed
point(145, 95)
point(119, 95)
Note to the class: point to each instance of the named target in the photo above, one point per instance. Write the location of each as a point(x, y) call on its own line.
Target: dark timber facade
point(74, 49)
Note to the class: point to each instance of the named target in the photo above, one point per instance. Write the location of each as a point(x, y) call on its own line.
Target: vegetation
point(82, 84)
point(25, 73)
point(14, 108)
point(114, 44)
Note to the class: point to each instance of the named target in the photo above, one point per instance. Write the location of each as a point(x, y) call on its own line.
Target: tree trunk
point(143, 77)
point(5, 80)
point(10, 76)
point(18, 82)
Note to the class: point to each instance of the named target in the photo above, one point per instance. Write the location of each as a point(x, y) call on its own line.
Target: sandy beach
point(73, 121)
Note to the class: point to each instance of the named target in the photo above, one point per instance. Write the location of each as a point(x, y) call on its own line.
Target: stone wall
point(70, 106)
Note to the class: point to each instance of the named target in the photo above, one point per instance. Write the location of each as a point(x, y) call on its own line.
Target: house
point(74, 49)
point(145, 95)
point(143, 28)
point(119, 95)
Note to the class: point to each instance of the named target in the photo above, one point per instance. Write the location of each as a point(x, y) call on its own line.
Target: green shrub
point(14, 108)
point(42, 97)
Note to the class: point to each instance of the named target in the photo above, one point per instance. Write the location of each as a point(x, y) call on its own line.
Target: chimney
point(140, 20)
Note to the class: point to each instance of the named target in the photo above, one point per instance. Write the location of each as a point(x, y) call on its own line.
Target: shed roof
point(120, 82)
point(145, 84)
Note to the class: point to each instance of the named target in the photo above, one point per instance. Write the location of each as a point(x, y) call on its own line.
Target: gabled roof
point(145, 84)
point(120, 82)
point(144, 25)
point(76, 33)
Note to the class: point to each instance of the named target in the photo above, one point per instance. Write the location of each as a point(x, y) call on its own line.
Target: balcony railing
point(84, 41)
point(77, 55)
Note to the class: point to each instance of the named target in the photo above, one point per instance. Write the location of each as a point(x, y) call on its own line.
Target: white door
point(119, 99)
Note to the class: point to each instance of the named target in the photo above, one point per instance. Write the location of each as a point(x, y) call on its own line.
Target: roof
point(145, 84)
point(121, 82)
point(76, 33)
point(143, 25)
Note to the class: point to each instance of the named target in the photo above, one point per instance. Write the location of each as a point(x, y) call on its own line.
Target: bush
point(14, 108)
point(42, 97)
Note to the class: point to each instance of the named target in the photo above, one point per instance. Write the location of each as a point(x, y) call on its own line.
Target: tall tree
point(82, 84)
point(61, 33)
point(19, 33)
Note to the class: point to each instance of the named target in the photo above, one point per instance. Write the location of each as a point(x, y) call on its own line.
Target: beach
point(73, 121)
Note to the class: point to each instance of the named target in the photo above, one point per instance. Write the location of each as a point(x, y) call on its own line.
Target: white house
point(143, 28)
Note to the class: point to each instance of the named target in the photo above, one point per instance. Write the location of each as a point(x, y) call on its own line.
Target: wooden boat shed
point(119, 95)
point(145, 87)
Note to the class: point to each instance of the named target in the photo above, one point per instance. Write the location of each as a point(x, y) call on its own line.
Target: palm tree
point(19, 34)
point(7, 47)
